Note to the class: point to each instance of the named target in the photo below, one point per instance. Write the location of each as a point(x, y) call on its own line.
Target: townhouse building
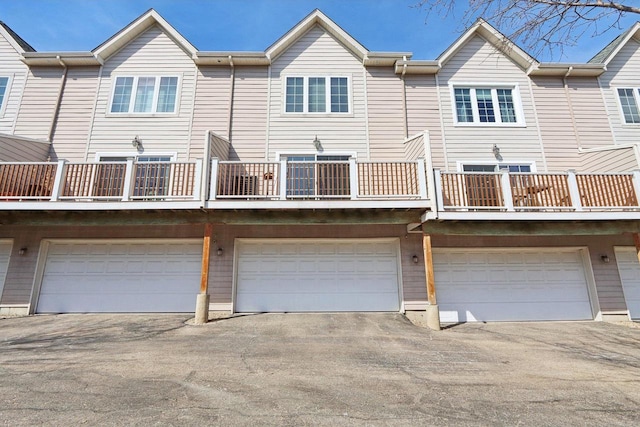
point(317, 175)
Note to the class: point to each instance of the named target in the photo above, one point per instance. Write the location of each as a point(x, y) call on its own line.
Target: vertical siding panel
point(386, 118)
point(248, 135)
point(423, 113)
point(39, 102)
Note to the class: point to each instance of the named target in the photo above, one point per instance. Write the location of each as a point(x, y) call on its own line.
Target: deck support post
point(433, 312)
point(202, 301)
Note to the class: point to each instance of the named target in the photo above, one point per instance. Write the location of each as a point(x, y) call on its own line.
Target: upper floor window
point(4, 85)
point(144, 94)
point(487, 105)
point(317, 95)
point(629, 104)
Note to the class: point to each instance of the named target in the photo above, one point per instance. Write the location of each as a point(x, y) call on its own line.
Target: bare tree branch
point(539, 25)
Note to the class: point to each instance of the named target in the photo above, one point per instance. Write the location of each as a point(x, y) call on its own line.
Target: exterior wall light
point(496, 152)
point(219, 251)
point(605, 259)
point(22, 251)
point(316, 143)
point(415, 259)
point(136, 143)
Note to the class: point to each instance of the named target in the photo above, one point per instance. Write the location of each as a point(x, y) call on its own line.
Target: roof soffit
point(316, 18)
point(496, 39)
point(138, 27)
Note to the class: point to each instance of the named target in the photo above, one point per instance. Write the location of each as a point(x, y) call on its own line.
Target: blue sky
point(248, 25)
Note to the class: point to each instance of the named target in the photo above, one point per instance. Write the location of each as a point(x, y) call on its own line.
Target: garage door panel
point(120, 277)
point(516, 284)
point(629, 269)
point(317, 276)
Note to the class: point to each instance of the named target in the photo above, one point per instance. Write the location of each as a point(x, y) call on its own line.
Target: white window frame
point(156, 94)
point(7, 92)
point(460, 164)
point(517, 104)
point(134, 155)
point(636, 96)
point(305, 92)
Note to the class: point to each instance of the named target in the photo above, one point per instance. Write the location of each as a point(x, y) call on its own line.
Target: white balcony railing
point(570, 191)
point(103, 181)
point(318, 180)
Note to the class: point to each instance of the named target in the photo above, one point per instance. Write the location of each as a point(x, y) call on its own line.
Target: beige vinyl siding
point(423, 113)
point(607, 279)
point(249, 116)
point(590, 113)
point(386, 114)
point(622, 72)
point(16, 70)
point(16, 150)
point(76, 110)
point(219, 147)
point(39, 101)
point(556, 124)
point(317, 54)
point(212, 106)
point(620, 160)
point(153, 53)
point(476, 63)
point(414, 148)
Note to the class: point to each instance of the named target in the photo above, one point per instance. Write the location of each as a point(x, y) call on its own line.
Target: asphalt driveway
point(314, 369)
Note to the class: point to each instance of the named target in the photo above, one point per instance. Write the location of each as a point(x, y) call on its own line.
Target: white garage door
point(130, 276)
point(5, 253)
point(317, 275)
point(515, 284)
point(629, 269)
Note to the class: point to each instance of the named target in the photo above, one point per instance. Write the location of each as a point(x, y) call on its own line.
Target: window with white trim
point(317, 95)
point(144, 94)
point(499, 105)
point(4, 86)
point(629, 103)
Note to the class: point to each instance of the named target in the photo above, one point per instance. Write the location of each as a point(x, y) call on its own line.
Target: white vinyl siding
point(316, 54)
point(152, 54)
point(38, 103)
point(126, 276)
point(491, 284)
point(317, 95)
point(144, 95)
point(304, 275)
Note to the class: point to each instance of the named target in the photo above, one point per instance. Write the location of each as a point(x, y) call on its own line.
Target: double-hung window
point(144, 94)
point(629, 104)
point(317, 95)
point(499, 105)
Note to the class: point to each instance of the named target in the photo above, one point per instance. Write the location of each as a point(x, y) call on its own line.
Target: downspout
point(404, 97)
point(571, 112)
point(366, 109)
point(268, 130)
point(56, 111)
point(231, 92)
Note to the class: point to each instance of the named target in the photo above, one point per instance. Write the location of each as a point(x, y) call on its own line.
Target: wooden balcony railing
point(103, 181)
point(570, 191)
point(315, 180)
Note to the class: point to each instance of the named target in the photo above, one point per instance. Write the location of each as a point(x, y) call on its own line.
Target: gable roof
point(611, 50)
point(14, 39)
point(137, 27)
point(493, 36)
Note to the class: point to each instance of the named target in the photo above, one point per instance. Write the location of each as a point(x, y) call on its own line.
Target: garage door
point(514, 284)
point(317, 275)
point(131, 276)
point(5, 253)
point(629, 269)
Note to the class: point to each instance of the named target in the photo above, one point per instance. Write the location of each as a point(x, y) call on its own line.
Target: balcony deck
point(219, 185)
point(567, 196)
